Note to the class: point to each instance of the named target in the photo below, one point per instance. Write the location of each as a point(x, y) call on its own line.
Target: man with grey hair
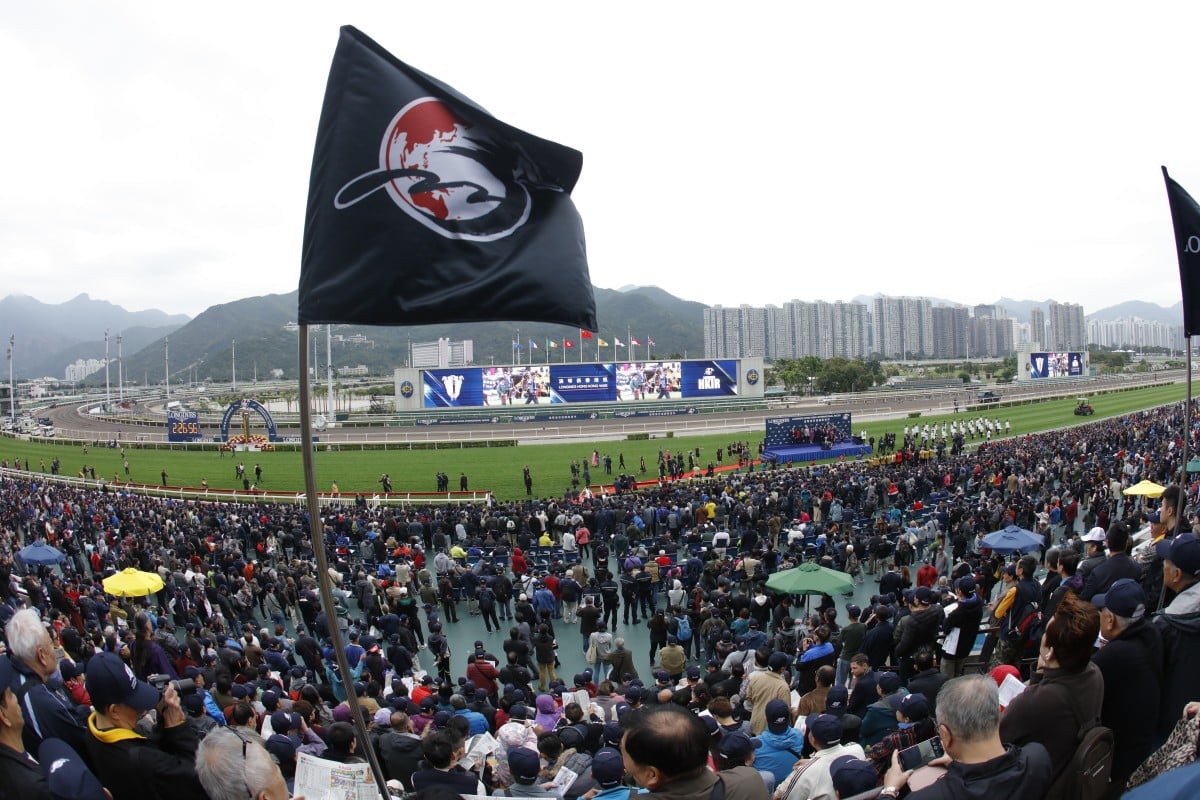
point(231, 764)
point(978, 763)
point(620, 662)
point(48, 710)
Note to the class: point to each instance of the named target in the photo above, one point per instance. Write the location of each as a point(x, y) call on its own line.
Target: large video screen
point(709, 378)
point(648, 380)
point(543, 384)
point(582, 383)
point(1055, 365)
point(516, 386)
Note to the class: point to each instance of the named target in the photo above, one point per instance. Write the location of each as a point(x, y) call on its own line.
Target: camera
point(183, 687)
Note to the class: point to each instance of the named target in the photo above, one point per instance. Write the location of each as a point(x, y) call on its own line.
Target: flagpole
point(518, 347)
point(629, 340)
point(323, 579)
point(1187, 435)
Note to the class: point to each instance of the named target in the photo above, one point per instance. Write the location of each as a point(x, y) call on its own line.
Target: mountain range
point(51, 336)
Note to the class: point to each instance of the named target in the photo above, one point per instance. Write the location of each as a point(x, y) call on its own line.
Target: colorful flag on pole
point(567, 343)
point(553, 344)
point(516, 345)
point(533, 345)
point(423, 208)
point(1185, 216)
point(584, 334)
point(601, 343)
point(634, 341)
point(649, 342)
point(618, 343)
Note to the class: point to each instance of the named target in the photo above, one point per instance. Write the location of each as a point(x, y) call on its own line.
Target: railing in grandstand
point(188, 493)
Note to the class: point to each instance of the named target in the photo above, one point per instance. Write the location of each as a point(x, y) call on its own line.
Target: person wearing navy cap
point(1179, 624)
point(20, 775)
point(915, 725)
point(1131, 663)
point(852, 776)
point(525, 766)
point(880, 717)
point(67, 776)
point(608, 770)
point(824, 734)
point(163, 768)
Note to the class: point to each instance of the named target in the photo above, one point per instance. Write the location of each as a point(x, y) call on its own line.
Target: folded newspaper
point(319, 779)
point(479, 747)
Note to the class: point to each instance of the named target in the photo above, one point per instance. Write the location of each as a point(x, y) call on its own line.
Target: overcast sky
point(157, 155)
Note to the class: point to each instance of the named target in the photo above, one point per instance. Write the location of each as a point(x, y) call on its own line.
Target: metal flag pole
point(629, 341)
point(323, 579)
point(1187, 435)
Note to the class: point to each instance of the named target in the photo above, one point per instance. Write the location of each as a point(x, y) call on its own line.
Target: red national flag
point(567, 343)
point(634, 341)
point(584, 334)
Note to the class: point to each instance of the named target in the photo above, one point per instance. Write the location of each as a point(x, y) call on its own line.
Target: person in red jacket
point(519, 567)
point(927, 575)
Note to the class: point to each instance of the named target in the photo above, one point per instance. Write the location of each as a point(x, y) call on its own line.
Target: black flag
point(424, 209)
point(1185, 215)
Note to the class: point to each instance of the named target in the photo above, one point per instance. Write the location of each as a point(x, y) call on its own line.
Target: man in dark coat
point(863, 682)
point(966, 617)
point(1118, 565)
point(1131, 663)
point(400, 750)
point(877, 643)
point(1179, 624)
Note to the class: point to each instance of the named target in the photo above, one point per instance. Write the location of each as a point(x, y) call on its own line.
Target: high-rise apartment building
point(1066, 330)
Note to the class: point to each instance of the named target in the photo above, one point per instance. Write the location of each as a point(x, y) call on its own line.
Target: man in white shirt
point(811, 779)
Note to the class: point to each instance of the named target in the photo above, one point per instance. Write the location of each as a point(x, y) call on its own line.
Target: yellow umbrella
point(132, 582)
point(1146, 488)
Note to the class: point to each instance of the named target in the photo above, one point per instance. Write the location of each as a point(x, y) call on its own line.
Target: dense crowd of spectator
point(742, 694)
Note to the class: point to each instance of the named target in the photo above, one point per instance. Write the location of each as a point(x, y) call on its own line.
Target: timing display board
point(183, 426)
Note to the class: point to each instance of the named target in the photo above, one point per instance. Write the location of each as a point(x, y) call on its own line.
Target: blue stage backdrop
point(790, 431)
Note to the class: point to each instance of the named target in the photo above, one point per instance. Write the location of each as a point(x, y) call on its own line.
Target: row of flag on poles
point(569, 344)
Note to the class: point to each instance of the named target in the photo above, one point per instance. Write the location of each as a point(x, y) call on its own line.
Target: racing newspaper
point(318, 779)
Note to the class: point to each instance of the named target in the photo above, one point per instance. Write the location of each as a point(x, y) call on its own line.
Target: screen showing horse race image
point(1055, 365)
point(514, 386)
point(649, 380)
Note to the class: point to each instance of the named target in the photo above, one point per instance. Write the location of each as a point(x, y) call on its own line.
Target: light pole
point(12, 387)
point(107, 391)
point(233, 366)
point(167, 364)
point(120, 373)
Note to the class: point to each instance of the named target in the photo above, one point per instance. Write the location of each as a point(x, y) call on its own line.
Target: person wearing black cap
point(966, 616)
point(127, 763)
point(666, 750)
point(781, 743)
point(1131, 663)
point(1179, 624)
point(67, 776)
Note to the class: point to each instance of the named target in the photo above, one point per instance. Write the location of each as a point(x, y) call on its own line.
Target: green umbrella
point(1194, 465)
point(810, 578)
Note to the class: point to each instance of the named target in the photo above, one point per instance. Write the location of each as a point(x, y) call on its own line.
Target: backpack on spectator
point(684, 631)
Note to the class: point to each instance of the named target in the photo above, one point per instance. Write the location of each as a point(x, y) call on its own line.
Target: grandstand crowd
point(1069, 671)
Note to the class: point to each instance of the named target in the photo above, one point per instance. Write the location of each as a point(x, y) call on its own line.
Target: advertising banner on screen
point(709, 378)
point(452, 388)
point(648, 380)
point(582, 383)
point(520, 385)
point(1055, 365)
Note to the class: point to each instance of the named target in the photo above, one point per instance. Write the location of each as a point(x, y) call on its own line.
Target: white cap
point(1096, 534)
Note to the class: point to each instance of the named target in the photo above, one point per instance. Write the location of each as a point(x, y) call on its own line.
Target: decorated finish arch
point(242, 409)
